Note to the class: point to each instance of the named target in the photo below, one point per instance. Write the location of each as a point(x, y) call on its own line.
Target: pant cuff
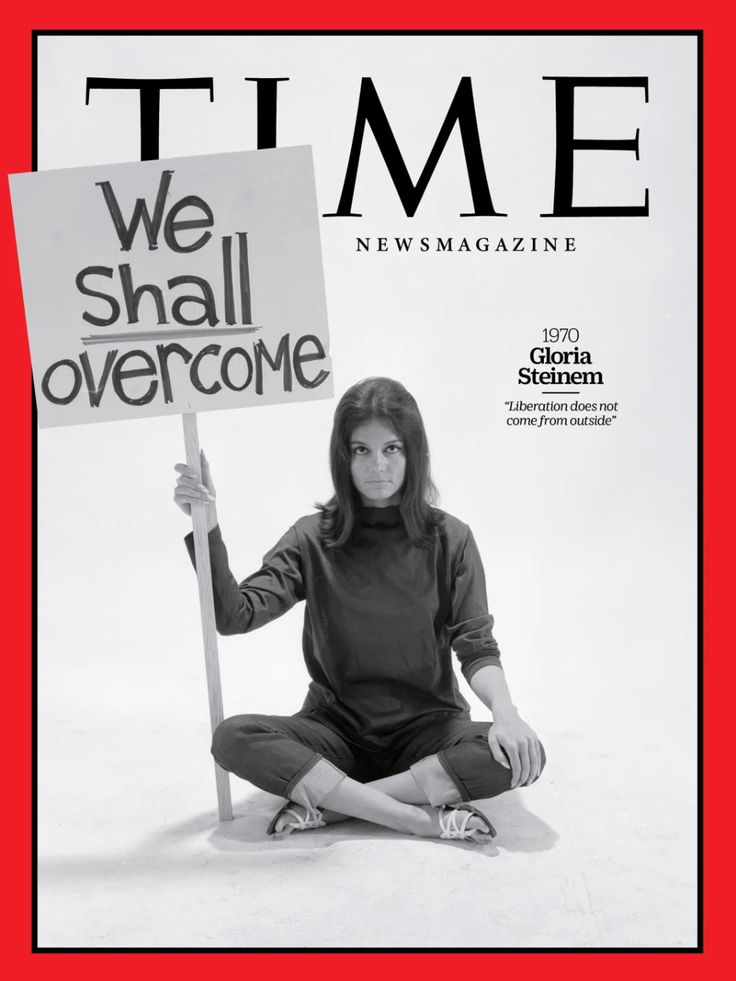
point(311, 788)
point(435, 781)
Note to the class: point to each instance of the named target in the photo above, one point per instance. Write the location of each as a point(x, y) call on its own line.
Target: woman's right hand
point(190, 490)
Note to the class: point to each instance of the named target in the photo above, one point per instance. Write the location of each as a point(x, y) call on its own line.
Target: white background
point(588, 534)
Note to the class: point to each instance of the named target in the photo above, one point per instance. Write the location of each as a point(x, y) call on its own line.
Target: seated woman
point(391, 586)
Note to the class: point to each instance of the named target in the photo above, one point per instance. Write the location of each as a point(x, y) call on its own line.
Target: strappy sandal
point(454, 820)
point(313, 820)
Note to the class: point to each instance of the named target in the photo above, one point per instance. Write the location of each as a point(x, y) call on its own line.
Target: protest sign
point(174, 286)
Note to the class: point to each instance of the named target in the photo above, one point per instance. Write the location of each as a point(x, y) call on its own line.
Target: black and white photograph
point(366, 380)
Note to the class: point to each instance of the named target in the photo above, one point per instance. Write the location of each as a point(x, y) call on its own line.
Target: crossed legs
point(299, 757)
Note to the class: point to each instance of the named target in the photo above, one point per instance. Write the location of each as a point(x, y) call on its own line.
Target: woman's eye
point(393, 448)
point(358, 450)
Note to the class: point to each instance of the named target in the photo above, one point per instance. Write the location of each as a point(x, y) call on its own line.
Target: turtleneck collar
point(379, 517)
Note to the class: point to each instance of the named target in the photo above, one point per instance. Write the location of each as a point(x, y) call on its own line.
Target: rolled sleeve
point(471, 625)
point(262, 596)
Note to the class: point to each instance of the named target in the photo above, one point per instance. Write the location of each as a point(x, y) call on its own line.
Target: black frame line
point(698, 949)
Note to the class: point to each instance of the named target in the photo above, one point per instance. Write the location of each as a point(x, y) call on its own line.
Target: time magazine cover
point(507, 226)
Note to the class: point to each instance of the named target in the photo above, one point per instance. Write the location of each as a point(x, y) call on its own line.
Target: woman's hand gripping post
point(189, 490)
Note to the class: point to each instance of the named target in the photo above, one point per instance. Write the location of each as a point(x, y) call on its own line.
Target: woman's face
point(377, 463)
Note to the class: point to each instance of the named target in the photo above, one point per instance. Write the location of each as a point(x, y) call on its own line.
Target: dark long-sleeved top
point(381, 617)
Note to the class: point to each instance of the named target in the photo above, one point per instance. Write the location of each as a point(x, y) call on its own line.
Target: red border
point(718, 516)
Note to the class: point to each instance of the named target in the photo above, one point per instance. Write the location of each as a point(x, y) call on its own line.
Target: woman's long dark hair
point(385, 399)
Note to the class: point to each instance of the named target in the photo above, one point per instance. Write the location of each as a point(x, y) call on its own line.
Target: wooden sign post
point(207, 611)
point(142, 282)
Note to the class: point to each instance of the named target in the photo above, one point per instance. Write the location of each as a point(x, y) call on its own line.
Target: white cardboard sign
point(177, 285)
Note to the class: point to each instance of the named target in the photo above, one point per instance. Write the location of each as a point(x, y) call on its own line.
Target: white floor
point(600, 852)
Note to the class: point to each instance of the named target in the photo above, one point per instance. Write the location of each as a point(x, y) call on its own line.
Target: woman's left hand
point(515, 745)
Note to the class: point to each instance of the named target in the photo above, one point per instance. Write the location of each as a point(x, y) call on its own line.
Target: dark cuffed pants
point(304, 756)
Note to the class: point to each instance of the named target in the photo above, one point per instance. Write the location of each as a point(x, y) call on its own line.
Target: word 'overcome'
point(235, 370)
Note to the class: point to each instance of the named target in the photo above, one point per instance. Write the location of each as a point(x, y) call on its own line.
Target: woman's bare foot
point(289, 820)
point(460, 822)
